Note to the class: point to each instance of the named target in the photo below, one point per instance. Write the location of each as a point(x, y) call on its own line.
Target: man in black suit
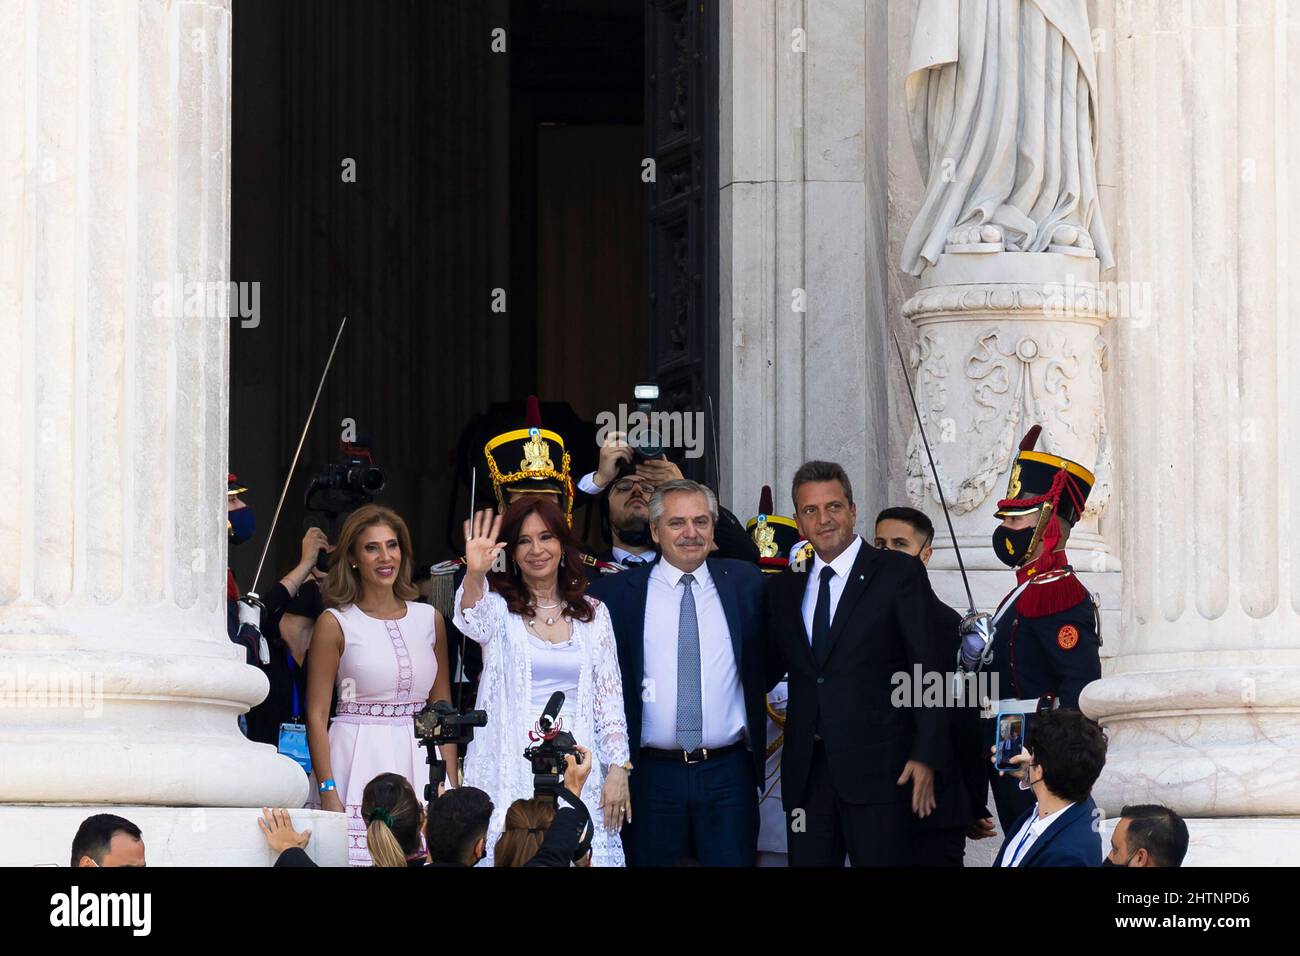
point(961, 786)
point(690, 634)
point(855, 767)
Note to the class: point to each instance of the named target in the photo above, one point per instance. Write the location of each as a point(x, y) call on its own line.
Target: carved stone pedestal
point(1005, 341)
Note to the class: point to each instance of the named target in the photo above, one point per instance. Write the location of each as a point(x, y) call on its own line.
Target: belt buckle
point(687, 756)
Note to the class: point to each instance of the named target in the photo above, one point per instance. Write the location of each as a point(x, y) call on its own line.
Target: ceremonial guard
point(775, 537)
point(1047, 630)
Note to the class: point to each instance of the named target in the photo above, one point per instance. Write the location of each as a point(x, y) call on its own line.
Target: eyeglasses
point(626, 485)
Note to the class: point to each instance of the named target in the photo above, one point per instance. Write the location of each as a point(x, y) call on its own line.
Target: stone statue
point(1001, 97)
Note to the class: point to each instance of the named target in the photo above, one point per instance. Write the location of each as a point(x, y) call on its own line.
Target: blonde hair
point(525, 828)
point(390, 797)
point(342, 586)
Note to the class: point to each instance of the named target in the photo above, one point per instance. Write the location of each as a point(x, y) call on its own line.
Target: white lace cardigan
point(594, 716)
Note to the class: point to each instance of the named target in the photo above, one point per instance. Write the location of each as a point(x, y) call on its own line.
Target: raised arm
point(478, 614)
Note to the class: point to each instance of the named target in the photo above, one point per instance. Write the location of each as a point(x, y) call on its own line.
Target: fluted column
point(117, 681)
point(1201, 703)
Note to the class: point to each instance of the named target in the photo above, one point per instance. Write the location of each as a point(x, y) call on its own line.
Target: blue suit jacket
point(740, 590)
point(1073, 839)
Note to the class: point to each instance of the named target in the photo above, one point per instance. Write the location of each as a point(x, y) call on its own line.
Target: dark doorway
point(475, 171)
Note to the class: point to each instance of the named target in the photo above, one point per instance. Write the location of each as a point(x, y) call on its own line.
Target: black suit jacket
point(740, 590)
point(1073, 839)
point(881, 628)
point(563, 835)
point(961, 784)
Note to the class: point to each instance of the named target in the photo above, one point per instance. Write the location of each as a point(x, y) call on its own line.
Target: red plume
point(1031, 438)
point(765, 500)
point(532, 413)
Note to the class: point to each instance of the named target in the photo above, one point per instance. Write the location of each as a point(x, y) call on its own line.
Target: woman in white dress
point(540, 633)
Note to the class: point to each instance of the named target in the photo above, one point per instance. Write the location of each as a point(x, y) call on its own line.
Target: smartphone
point(1010, 739)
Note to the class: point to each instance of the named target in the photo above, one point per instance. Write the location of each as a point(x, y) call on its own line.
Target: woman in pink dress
point(385, 656)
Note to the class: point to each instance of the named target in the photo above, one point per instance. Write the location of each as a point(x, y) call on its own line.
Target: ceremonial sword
point(294, 464)
point(974, 623)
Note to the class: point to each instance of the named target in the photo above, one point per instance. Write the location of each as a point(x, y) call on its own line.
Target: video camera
point(337, 490)
point(439, 724)
point(547, 757)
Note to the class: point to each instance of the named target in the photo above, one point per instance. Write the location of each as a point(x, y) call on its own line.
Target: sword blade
point(298, 451)
point(934, 471)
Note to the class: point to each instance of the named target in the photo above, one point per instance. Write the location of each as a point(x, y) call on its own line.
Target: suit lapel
point(638, 583)
point(730, 606)
point(793, 587)
point(864, 567)
point(1052, 832)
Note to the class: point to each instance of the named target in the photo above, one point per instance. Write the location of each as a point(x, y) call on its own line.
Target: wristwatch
point(626, 765)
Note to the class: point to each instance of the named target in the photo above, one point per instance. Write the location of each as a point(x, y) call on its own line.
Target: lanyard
point(288, 656)
point(1028, 833)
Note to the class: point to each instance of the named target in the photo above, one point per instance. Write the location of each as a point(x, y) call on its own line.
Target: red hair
point(570, 583)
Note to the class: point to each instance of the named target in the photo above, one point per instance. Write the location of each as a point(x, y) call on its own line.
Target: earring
point(561, 560)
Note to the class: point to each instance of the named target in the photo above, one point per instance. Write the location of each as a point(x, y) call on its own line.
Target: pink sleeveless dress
point(385, 675)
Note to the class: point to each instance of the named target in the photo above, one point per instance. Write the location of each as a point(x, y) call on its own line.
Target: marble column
point(1200, 702)
point(118, 684)
point(802, 220)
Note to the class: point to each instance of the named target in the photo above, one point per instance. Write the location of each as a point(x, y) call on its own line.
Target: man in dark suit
point(1067, 752)
point(961, 786)
point(855, 767)
point(690, 634)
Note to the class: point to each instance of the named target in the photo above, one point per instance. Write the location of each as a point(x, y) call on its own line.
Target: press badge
point(293, 744)
point(293, 735)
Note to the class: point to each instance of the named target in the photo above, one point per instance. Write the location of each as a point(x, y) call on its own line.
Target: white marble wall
point(1200, 705)
point(803, 220)
point(114, 128)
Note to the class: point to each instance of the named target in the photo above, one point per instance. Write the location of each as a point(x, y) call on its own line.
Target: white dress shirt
point(722, 697)
point(627, 557)
point(1028, 835)
point(841, 566)
point(587, 484)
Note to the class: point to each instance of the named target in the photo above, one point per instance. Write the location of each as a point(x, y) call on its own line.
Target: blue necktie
point(821, 629)
point(690, 701)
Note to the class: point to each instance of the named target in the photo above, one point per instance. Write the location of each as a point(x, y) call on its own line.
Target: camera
point(438, 724)
point(337, 490)
point(547, 756)
point(647, 444)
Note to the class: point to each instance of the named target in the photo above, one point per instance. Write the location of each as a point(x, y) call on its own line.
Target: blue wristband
point(327, 785)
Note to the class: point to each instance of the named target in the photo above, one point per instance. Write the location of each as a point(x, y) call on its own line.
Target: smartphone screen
point(1010, 740)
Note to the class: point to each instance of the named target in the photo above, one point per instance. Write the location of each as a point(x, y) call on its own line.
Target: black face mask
point(1109, 862)
point(1012, 547)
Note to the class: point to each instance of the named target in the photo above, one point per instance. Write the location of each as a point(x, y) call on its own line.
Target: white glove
point(976, 630)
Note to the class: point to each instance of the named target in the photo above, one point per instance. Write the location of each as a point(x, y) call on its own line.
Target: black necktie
point(821, 629)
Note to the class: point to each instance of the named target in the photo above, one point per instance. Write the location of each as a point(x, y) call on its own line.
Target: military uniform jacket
point(1048, 644)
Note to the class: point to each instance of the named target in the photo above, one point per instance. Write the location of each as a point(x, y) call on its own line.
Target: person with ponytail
point(394, 821)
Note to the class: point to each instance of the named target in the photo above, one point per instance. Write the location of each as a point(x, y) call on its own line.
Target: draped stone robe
point(1001, 97)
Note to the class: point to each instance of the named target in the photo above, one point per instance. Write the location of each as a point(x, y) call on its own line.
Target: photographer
point(1066, 754)
point(625, 485)
point(539, 833)
point(289, 612)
